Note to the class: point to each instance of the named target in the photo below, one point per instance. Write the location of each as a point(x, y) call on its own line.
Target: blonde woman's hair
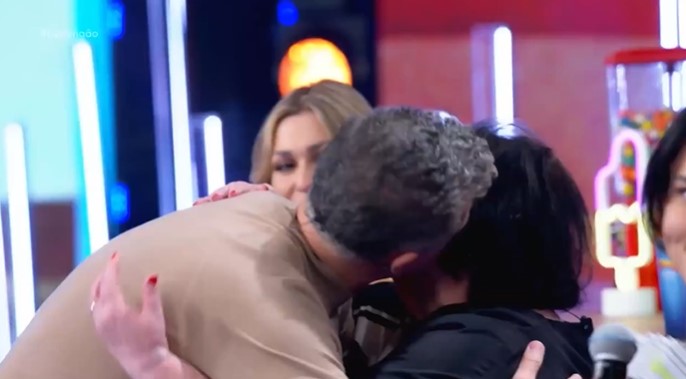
point(331, 102)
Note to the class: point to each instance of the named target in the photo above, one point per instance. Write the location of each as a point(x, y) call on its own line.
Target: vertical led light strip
point(666, 90)
point(181, 138)
point(673, 35)
point(5, 335)
point(669, 24)
point(681, 22)
point(214, 152)
point(502, 70)
point(679, 86)
point(20, 228)
point(91, 145)
point(677, 91)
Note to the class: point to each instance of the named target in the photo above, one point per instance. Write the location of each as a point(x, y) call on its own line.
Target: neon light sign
point(626, 268)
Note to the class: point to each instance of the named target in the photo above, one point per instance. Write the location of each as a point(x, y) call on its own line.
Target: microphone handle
point(609, 369)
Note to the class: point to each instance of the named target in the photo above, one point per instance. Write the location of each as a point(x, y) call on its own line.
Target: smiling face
point(673, 224)
point(297, 143)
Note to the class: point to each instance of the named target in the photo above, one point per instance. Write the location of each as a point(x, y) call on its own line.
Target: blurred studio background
point(115, 112)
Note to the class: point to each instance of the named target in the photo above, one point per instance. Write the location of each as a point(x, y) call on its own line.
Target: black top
point(459, 342)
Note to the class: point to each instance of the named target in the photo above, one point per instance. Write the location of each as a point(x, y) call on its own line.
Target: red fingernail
point(114, 256)
point(152, 280)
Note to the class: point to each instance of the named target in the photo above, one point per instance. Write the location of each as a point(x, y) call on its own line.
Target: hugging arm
point(280, 339)
point(138, 341)
point(136, 338)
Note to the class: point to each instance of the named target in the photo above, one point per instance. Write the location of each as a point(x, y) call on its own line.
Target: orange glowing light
point(311, 60)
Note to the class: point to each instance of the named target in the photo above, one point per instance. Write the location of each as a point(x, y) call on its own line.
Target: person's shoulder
point(264, 205)
point(456, 330)
point(450, 350)
point(566, 342)
point(264, 200)
point(267, 198)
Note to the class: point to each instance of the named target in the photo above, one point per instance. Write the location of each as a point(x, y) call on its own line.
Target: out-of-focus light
point(116, 19)
point(214, 152)
point(20, 228)
point(669, 24)
point(119, 203)
point(311, 60)
point(287, 13)
point(503, 81)
point(681, 23)
point(602, 178)
point(91, 145)
point(5, 339)
point(184, 183)
point(625, 268)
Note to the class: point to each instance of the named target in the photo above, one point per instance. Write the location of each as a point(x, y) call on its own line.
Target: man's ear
point(462, 221)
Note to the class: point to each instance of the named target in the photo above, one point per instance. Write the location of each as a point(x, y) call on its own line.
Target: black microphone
point(612, 347)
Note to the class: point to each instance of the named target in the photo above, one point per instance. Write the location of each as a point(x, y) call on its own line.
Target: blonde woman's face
point(297, 143)
point(673, 231)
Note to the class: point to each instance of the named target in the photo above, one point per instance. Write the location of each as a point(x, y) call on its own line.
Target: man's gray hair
point(399, 179)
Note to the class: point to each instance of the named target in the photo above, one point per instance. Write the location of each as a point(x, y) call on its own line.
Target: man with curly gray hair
point(400, 180)
point(248, 287)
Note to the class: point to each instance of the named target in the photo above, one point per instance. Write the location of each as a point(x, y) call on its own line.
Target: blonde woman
point(294, 133)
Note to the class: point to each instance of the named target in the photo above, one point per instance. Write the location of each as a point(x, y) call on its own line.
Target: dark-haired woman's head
point(664, 193)
point(525, 243)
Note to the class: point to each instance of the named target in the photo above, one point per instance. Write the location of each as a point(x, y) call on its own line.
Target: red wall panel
point(594, 17)
point(559, 47)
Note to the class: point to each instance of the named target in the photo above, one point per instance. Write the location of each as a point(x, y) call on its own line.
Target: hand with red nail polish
point(233, 189)
point(135, 337)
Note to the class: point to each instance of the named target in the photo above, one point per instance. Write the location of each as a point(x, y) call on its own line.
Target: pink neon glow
point(602, 195)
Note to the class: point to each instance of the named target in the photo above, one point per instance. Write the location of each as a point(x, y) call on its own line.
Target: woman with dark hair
point(664, 193)
point(664, 201)
point(516, 263)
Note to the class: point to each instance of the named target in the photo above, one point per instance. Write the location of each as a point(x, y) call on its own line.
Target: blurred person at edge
point(664, 193)
point(664, 205)
point(537, 207)
point(249, 286)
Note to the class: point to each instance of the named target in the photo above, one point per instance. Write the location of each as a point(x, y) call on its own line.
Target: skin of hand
point(136, 338)
point(531, 362)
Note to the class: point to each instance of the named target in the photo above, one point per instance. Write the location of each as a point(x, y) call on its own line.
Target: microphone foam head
point(612, 342)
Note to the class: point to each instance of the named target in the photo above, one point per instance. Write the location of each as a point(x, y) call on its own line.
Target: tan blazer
point(244, 297)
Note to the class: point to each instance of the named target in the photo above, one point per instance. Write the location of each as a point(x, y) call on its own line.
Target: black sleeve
point(446, 354)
